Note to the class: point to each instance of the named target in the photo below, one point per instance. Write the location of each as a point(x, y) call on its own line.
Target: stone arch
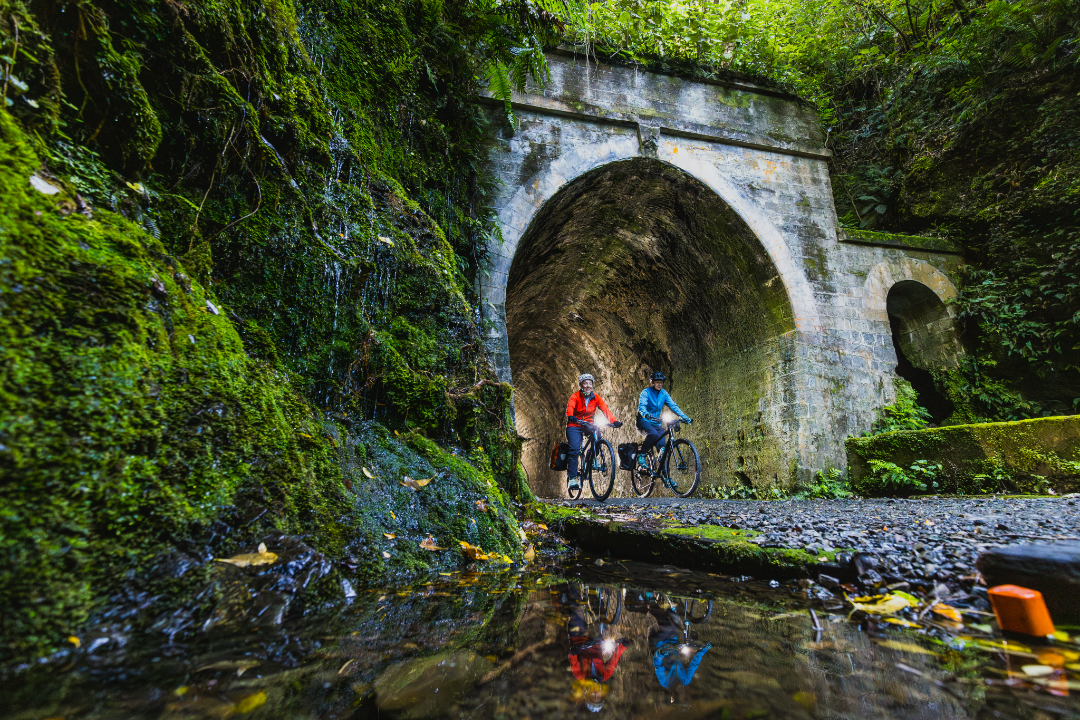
point(637, 265)
point(911, 296)
point(883, 276)
point(516, 215)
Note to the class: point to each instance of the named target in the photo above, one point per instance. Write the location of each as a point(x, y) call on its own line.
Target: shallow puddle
point(621, 639)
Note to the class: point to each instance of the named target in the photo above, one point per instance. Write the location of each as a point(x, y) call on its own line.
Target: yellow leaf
point(367, 473)
point(393, 515)
point(947, 611)
point(482, 505)
point(262, 557)
point(385, 554)
point(74, 641)
point(541, 526)
point(886, 606)
point(251, 702)
point(390, 536)
point(386, 241)
point(902, 622)
point(474, 552)
point(306, 435)
point(1037, 670)
point(1061, 635)
point(416, 484)
point(905, 647)
point(429, 544)
point(530, 553)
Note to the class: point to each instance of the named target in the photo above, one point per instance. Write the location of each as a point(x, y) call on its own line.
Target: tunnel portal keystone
point(791, 350)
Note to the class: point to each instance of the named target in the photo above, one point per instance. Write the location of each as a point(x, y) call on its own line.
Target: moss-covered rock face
point(236, 252)
point(1023, 456)
point(636, 267)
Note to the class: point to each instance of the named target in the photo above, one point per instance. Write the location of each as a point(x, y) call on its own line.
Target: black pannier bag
point(559, 455)
point(628, 453)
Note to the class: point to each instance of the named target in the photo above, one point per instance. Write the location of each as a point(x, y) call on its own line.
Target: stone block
point(972, 455)
point(1053, 570)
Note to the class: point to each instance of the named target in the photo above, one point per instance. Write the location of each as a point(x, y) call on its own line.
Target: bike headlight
point(608, 646)
point(667, 416)
point(601, 422)
point(687, 650)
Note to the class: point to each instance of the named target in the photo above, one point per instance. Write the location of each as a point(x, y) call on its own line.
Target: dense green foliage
point(237, 244)
point(956, 118)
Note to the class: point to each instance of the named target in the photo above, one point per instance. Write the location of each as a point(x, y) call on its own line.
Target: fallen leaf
point(416, 484)
point(474, 552)
point(390, 536)
point(393, 515)
point(1037, 670)
point(74, 641)
point(530, 553)
point(385, 240)
point(902, 622)
point(42, 185)
point(137, 187)
point(251, 702)
point(429, 544)
point(905, 647)
point(367, 474)
point(240, 666)
point(947, 611)
point(888, 605)
point(482, 505)
point(262, 557)
point(385, 554)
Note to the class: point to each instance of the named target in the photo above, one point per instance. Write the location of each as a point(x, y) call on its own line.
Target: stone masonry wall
point(761, 152)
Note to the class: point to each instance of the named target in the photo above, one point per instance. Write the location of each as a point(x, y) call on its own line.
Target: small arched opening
point(925, 337)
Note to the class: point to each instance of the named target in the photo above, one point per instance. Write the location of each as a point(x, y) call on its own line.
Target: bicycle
point(682, 479)
point(597, 456)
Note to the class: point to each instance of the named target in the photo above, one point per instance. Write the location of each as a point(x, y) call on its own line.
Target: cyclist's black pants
point(574, 433)
point(652, 431)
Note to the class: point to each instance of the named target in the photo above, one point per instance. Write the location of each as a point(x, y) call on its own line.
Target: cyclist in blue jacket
point(651, 403)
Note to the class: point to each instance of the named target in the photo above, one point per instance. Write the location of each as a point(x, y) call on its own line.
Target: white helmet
point(583, 378)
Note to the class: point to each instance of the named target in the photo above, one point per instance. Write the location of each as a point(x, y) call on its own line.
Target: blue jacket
point(651, 402)
point(685, 673)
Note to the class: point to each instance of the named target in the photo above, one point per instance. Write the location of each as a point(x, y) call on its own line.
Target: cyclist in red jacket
point(579, 420)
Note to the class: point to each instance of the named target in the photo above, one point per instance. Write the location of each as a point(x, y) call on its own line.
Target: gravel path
point(920, 541)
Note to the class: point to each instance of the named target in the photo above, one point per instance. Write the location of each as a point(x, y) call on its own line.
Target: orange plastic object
point(1020, 610)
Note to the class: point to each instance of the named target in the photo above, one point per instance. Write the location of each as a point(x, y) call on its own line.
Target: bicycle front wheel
point(683, 467)
point(642, 479)
point(602, 475)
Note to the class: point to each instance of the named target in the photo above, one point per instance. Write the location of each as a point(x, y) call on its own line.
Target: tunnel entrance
point(925, 338)
point(637, 266)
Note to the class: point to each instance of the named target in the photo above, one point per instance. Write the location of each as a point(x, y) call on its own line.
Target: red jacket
point(584, 660)
point(585, 409)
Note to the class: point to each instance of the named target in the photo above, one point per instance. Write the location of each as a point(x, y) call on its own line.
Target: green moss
point(911, 242)
point(713, 532)
point(285, 230)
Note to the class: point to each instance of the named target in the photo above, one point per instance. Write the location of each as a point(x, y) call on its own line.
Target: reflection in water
point(639, 642)
point(673, 659)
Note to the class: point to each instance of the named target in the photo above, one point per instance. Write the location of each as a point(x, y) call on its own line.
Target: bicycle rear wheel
point(602, 470)
point(643, 483)
point(682, 466)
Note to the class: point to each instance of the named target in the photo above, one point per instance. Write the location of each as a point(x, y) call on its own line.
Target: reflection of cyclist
point(579, 416)
point(651, 404)
point(668, 652)
point(593, 661)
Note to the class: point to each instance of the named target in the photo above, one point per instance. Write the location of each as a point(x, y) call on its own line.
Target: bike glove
point(617, 424)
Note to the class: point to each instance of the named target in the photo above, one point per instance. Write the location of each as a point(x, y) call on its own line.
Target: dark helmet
point(658, 376)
